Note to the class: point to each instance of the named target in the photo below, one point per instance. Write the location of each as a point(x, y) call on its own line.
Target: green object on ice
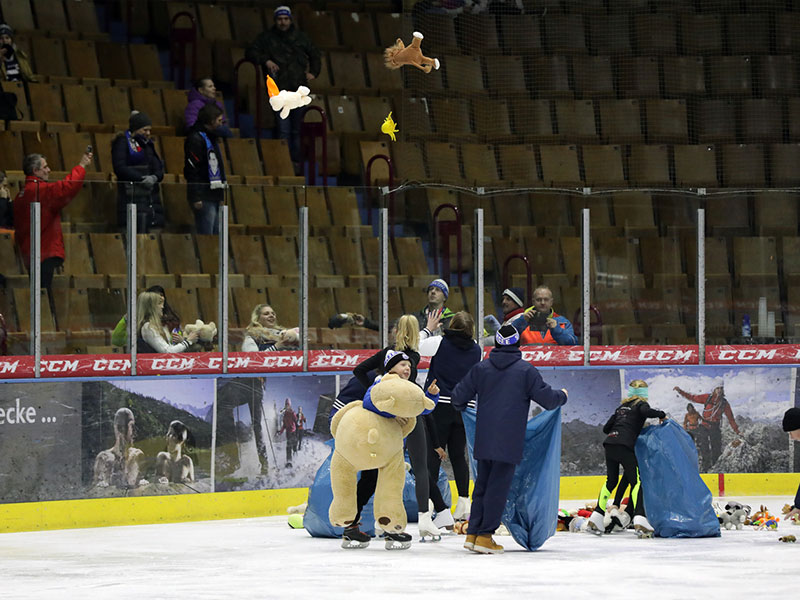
point(296, 521)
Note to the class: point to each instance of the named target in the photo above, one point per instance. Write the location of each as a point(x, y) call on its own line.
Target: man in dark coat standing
point(291, 59)
point(505, 386)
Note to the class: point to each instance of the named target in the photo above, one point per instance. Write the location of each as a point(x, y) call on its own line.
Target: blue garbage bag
point(320, 496)
point(410, 493)
point(677, 501)
point(531, 512)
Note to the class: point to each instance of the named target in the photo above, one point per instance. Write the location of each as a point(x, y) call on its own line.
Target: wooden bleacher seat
point(412, 261)
point(695, 165)
point(480, 165)
point(18, 14)
point(649, 165)
point(184, 302)
point(11, 264)
point(278, 162)
point(244, 300)
point(775, 214)
point(384, 81)
point(491, 120)
point(247, 22)
point(762, 120)
point(610, 34)
point(728, 215)
point(45, 144)
point(701, 33)
point(718, 270)
point(150, 263)
point(243, 156)
point(748, 33)
point(549, 76)
point(755, 261)
point(73, 317)
point(521, 34)
point(114, 60)
point(49, 56)
point(46, 104)
point(684, 76)
point(214, 23)
point(518, 165)
point(440, 34)
point(371, 254)
point(443, 163)
point(783, 161)
point(82, 108)
point(349, 263)
point(178, 214)
point(357, 30)
point(145, 62)
point(478, 34)
point(532, 120)
point(603, 166)
point(634, 213)
point(348, 73)
point(464, 75)
point(730, 76)
point(247, 252)
point(409, 162)
point(248, 205)
point(564, 34)
point(286, 304)
point(115, 106)
point(638, 77)
point(320, 265)
point(391, 26)
point(319, 217)
point(148, 101)
point(281, 204)
point(182, 261)
point(743, 165)
point(344, 211)
point(283, 258)
point(655, 34)
point(81, 57)
point(593, 76)
point(11, 152)
point(560, 165)
point(666, 121)
point(660, 255)
point(620, 121)
point(356, 300)
point(615, 304)
point(714, 120)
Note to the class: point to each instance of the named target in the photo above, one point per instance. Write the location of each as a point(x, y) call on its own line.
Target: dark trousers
point(206, 219)
point(453, 437)
point(364, 490)
point(417, 446)
point(49, 268)
point(616, 455)
point(492, 484)
point(289, 130)
point(702, 439)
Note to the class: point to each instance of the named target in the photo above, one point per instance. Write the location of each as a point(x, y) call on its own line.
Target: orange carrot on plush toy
point(398, 55)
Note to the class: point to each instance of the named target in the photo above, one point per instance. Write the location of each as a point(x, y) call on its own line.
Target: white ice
point(264, 558)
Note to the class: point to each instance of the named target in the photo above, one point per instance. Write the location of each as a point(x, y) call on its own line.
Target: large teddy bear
point(372, 438)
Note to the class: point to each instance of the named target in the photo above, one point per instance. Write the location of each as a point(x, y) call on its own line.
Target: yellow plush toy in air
point(389, 127)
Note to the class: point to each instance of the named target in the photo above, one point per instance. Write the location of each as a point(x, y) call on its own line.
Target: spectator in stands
point(154, 337)
point(169, 318)
point(15, 66)
point(6, 206)
point(203, 92)
point(53, 196)
point(203, 169)
point(513, 305)
point(540, 324)
point(435, 315)
point(265, 335)
point(139, 170)
point(291, 59)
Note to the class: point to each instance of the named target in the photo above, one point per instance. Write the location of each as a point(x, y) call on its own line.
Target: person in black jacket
point(203, 169)
point(622, 430)
point(139, 170)
point(456, 355)
point(291, 59)
point(505, 386)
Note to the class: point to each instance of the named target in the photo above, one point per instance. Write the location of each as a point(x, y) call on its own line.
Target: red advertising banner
point(118, 365)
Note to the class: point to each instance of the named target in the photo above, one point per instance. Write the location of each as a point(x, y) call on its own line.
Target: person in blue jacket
point(791, 425)
point(456, 355)
point(505, 386)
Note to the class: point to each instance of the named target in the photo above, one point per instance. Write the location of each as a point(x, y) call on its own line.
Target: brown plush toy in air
point(399, 55)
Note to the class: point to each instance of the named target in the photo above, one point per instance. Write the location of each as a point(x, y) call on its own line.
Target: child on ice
point(622, 429)
point(505, 386)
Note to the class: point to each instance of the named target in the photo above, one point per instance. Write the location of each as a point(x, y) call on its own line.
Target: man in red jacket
point(53, 197)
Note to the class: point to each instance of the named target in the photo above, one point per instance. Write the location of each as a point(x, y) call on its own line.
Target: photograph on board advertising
point(733, 414)
point(145, 437)
point(271, 431)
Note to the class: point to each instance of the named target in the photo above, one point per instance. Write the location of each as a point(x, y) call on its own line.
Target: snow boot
point(595, 524)
point(397, 541)
point(642, 527)
point(427, 529)
point(469, 543)
point(353, 538)
point(484, 544)
point(463, 506)
point(444, 521)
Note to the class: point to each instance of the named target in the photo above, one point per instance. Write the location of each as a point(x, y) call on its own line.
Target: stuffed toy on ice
point(371, 437)
point(734, 515)
point(399, 55)
point(284, 100)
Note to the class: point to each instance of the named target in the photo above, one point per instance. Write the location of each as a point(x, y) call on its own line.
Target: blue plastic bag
point(320, 496)
point(531, 512)
point(677, 501)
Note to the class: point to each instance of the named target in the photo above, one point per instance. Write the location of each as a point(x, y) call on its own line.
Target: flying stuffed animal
point(284, 100)
point(398, 55)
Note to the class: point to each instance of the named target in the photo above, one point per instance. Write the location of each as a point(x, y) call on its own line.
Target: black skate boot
point(397, 541)
point(353, 537)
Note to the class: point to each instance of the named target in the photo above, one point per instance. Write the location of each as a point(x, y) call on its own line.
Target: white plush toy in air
point(284, 100)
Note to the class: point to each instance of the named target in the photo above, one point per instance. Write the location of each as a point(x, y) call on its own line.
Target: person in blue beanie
point(505, 385)
point(791, 425)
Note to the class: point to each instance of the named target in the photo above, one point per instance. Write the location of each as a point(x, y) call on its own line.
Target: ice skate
point(397, 541)
point(484, 544)
point(469, 543)
point(353, 538)
point(595, 524)
point(620, 520)
point(428, 532)
point(444, 521)
point(642, 527)
point(463, 506)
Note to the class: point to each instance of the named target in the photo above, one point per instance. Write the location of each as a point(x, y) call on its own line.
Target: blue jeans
point(289, 129)
point(207, 218)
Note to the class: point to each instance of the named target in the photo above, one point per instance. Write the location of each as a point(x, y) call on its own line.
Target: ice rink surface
point(265, 558)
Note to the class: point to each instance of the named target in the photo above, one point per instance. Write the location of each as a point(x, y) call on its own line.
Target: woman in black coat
point(139, 170)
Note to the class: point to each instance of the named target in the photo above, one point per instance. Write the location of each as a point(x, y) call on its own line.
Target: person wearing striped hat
point(435, 316)
point(504, 385)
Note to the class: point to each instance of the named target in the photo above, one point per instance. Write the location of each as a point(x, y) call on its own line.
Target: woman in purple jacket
point(203, 92)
